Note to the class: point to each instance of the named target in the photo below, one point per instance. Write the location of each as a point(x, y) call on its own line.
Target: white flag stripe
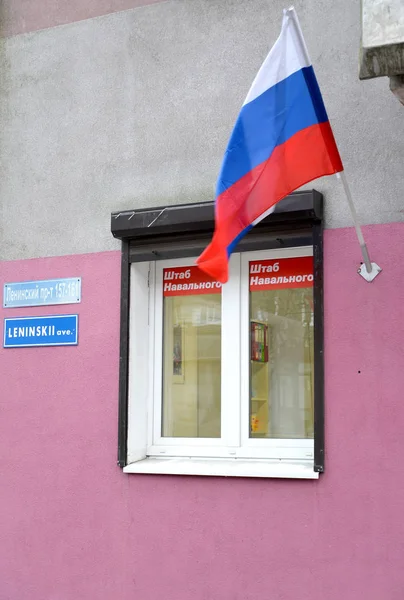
point(265, 214)
point(285, 58)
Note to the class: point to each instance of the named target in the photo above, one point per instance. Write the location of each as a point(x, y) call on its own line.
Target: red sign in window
point(281, 273)
point(188, 281)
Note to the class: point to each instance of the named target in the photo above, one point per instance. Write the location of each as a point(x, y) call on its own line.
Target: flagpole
point(342, 177)
point(368, 270)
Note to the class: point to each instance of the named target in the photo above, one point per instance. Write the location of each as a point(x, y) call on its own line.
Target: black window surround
point(181, 231)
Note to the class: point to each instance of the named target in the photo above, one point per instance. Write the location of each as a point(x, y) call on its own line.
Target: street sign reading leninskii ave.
point(52, 330)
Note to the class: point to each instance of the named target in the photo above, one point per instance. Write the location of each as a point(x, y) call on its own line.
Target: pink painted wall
point(74, 526)
point(23, 16)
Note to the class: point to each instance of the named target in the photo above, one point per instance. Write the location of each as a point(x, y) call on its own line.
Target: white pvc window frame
point(230, 389)
point(300, 449)
point(266, 457)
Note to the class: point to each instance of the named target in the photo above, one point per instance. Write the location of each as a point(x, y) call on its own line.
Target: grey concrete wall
point(382, 43)
point(135, 109)
point(382, 22)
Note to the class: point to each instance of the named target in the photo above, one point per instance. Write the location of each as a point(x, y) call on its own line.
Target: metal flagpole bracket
point(368, 270)
point(369, 276)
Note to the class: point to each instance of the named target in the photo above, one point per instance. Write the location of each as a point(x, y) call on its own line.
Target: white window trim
point(235, 454)
point(230, 393)
point(227, 467)
point(299, 449)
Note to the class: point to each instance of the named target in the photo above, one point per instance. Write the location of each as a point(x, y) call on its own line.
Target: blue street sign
point(53, 330)
point(42, 293)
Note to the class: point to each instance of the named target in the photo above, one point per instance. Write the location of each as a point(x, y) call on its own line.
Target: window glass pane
point(281, 348)
point(191, 354)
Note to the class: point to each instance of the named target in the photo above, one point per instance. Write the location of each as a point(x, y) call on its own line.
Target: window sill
point(224, 468)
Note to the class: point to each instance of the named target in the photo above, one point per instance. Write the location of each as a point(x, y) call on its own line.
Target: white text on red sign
point(186, 281)
point(296, 272)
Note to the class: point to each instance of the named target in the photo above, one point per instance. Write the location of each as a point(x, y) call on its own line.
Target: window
point(225, 380)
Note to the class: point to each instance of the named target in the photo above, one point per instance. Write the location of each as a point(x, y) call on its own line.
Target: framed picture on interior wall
point(178, 354)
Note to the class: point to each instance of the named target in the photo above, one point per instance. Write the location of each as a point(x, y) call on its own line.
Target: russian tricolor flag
point(282, 139)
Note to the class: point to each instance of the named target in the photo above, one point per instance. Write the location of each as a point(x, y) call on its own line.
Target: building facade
point(121, 106)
